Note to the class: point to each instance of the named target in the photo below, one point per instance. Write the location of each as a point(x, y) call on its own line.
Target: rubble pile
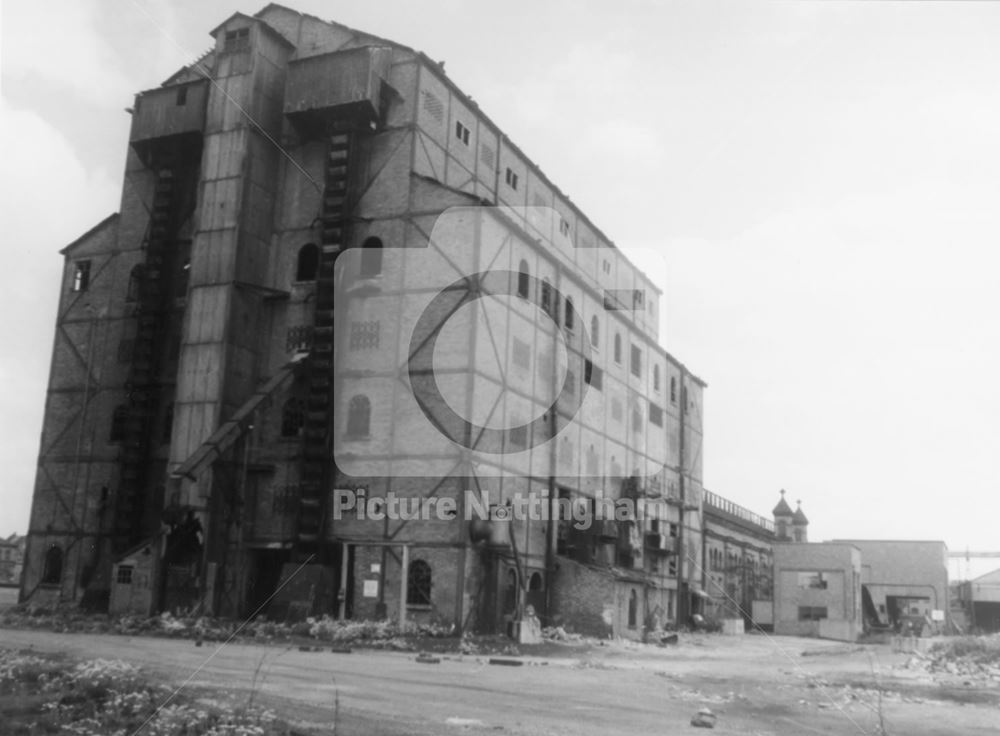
point(377, 634)
point(972, 659)
point(558, 633)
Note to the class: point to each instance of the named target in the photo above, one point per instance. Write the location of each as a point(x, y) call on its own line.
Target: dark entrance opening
point(267, 565)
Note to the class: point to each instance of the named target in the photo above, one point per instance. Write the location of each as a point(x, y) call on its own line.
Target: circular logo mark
point(423, 379)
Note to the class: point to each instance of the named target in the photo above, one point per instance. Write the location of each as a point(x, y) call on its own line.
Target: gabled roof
point(107, 221)
point(255, 21)
point(782, 509)
point(378, 39)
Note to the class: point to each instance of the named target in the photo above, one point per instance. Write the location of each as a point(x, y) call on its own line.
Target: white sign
point(371, 589)
point(937, 615)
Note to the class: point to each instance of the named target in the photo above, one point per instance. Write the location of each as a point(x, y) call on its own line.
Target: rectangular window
point(655, 414)
point(812, 613)
point(124, 575)
point(433, 106)
point(563, 227)
point(672, 566)
point(298, 339)
point(522, 354)
point(81, 275)
point(461, 132)
point(486, 156)
point(182, 96)
point(237, 40)
point(511, 178)
point(616, 409)
point(592, 375)
point(636, 362)
point(814, 580)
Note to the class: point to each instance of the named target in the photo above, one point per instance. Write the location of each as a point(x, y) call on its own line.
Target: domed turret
point(783, 518)
point(799, 524)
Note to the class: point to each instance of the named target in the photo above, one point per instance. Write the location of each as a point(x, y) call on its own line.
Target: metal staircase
point(142, 385)
point(318, 463)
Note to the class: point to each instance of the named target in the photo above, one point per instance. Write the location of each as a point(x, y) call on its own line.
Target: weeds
point(107, 697)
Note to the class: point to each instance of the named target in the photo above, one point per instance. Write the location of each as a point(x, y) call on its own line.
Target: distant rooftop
point(726, 509)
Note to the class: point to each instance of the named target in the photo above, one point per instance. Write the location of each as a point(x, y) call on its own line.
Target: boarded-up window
point(359, 416)
point(433, 106)
point(487, 156)
point(237, 39)
point(418, 584)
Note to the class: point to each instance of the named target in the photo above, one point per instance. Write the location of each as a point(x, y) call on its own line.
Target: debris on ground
point(558, 633)
point(972, 659)
point(100, 696)
point(704, 718)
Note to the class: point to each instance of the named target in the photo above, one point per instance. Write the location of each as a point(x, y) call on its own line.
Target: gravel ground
point(752, 684)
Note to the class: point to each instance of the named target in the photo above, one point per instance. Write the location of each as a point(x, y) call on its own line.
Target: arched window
point(134, 284)
point(535, 583)
point(119, 419)
point(359, 416)
point(510, 592)
point(308, 262)
point(52, 571)
point(523, 279)
point(618, 348)
point(569, 317)
point(371, 257)
point(418, 584)
point(633, 609)
point(656, 377)
point(292, 417)
point(595, 330)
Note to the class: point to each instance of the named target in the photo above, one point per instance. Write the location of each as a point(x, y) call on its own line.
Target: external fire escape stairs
point(142, 385)
point(317, 451)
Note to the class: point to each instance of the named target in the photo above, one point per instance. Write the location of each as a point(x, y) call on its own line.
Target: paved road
point(755, 687)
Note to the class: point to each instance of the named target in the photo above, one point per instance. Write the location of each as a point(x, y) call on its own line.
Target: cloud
point(57, 44)
point(48, 199)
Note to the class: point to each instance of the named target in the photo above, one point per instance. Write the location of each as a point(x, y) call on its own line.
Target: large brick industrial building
point(331, 270)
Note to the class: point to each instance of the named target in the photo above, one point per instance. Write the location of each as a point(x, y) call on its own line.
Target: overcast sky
point(821, 179)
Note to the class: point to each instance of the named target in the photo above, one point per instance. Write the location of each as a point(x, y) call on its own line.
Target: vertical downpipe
point(683, 597)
